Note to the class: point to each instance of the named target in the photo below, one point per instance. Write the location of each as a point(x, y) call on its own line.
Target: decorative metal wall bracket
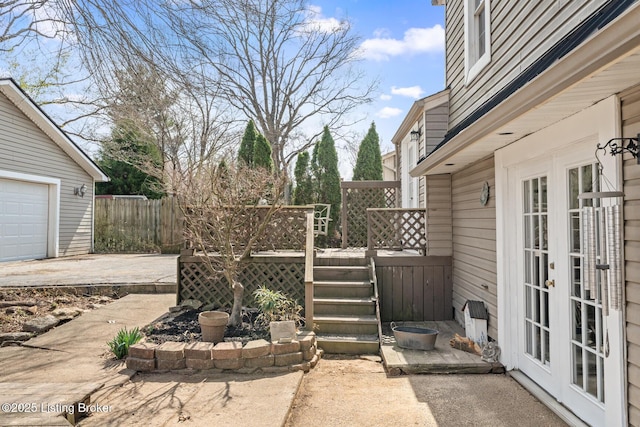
point(616, 146)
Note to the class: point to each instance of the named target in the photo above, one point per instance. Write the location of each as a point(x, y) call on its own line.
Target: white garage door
point(24, 210)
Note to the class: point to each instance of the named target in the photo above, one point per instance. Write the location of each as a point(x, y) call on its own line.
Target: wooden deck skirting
point(415, 288)
point(410, 287)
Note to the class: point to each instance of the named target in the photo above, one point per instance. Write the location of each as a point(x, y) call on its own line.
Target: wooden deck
point(443, 359)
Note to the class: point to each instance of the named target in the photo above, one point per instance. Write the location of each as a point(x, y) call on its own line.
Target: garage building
point(46, 183)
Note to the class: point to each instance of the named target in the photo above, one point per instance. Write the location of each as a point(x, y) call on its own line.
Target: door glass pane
point(574, 188)
point(587, 357)
point(536, 270)
point(527, 197)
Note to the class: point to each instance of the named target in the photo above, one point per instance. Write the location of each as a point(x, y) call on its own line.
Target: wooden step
point(347, 306)
point(340, 273)
point(323, 260)
point(349, 344)
point(342, 289)
point(345, 324)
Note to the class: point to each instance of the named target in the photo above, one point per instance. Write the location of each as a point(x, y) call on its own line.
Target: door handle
point(550, 283)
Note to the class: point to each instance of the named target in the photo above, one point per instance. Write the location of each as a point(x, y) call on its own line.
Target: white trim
point(9, 89)
point(473, 65)
point(598, 123)
point(53, 233)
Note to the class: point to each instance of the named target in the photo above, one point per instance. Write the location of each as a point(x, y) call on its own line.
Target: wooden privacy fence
point(415, 288)
point(396, 229)
point(357, 196)
point(134, 225)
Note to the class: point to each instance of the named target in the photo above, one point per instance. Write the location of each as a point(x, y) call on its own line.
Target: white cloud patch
point(381, 33)
point(415, 41)
point(316, 21)
point(414, 92)
point(48, 21)
point(385, 97)
point(388, 112)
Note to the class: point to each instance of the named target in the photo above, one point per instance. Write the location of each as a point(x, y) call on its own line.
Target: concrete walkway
point(74, 358)
point(93, 269)
point(76, 352)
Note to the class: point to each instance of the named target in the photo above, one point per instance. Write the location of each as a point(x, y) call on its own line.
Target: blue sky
point(403, 46)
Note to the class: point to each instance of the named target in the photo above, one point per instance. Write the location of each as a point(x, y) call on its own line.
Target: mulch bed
point(184, 327)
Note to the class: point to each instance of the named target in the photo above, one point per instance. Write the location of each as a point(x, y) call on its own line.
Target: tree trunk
point(236, 312)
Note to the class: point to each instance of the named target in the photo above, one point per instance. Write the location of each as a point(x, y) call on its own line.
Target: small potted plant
point(279, 312)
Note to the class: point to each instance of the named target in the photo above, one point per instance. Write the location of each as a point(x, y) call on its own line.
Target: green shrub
point(276, 306)
point(123, 340)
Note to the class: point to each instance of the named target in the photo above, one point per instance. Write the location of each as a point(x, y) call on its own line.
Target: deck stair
point(345, 317)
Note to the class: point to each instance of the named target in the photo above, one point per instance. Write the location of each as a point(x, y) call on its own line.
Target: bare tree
point(227, 211)
point(182, 118)
point(280, 66)
point(26, 19)
point(37, 51)
point(271, 61)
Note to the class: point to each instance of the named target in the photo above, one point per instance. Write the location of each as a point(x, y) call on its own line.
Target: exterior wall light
point(79, 191)
point(415, 135)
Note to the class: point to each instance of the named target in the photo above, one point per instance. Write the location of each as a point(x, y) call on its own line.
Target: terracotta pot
point(212, 325)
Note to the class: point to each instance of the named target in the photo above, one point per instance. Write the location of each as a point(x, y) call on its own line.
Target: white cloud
point(318, 22)
point(385, 97)
point(415, 41)
point(414, 92)
point(380, 33)
point(48, 22)
point(388, 112)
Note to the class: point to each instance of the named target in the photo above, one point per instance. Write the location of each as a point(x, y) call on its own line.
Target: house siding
point(474, 241)
point(24, 148)
point(436, 126)
point(515, 45)
point(439, 221)
point(631, 175)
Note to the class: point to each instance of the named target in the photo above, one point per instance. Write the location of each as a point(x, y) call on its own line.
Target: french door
point(564, 342)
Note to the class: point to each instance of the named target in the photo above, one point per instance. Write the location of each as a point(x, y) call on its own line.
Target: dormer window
point(477, 40)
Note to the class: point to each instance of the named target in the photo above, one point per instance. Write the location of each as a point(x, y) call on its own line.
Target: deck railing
point(357, 196)
point(308, 273)
point(396, 229)
point(282, 260)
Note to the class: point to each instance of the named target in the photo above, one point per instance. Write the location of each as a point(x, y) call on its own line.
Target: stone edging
point(301, 354)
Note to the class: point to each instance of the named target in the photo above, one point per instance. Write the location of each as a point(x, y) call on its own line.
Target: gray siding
point(631, 176)
point(24, 148)
point(515, 44)
point(439, 221)
point(474, 241)
point(436, 121)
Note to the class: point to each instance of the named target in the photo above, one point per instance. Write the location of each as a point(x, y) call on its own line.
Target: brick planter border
point(301, 354)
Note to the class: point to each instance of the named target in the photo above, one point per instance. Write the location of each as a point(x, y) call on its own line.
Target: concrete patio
point(443, 359)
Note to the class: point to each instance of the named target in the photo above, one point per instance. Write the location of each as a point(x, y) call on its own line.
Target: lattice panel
point(286, 231)
point(397, 229)
point(197, 282)
point(357, 202)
